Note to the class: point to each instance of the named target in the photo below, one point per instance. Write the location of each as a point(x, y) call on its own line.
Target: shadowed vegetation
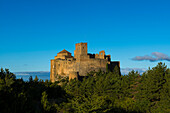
point(100, 92)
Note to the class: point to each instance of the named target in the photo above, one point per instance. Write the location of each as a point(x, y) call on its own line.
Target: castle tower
point(81, 50)
point(63, 54)
point(65, 65)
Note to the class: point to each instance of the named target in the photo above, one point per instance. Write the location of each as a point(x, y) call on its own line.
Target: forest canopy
point(97, 93)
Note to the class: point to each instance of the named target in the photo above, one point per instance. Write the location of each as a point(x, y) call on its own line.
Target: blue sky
point(33, 31)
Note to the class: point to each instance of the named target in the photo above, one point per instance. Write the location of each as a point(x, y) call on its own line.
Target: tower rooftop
point(64, 51)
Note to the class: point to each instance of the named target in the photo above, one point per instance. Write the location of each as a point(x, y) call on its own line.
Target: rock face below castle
point(82, 63)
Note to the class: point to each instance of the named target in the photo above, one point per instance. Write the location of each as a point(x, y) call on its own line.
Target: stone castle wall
point(82, 63)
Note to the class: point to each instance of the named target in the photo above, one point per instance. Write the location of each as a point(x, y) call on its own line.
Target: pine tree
point(30, 79)
point(36, 79)
point(107, 68)
point(44, 102)
point(151, 87)
point(116, 71)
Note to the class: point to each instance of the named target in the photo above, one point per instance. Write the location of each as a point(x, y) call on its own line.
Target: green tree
point(36, 79)
point(46, 105)
point(151, 88)
point(107, 68)
point(30, 79)
point(116, 71)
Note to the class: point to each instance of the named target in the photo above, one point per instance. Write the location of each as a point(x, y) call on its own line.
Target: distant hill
point(125, 71)
point(40, 74)
point(46, 75)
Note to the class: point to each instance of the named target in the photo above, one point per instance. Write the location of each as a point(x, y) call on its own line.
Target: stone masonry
point(82, 63)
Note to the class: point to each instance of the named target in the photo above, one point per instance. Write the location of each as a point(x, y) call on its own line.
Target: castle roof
point(64, 51)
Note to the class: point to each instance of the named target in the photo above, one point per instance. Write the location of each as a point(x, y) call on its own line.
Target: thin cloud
point(155, 56)
point(25, 65)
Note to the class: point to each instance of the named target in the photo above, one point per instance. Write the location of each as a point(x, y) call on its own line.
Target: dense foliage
point(99, 92)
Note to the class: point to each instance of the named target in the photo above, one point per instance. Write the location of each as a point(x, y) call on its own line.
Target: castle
point(64, 64)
